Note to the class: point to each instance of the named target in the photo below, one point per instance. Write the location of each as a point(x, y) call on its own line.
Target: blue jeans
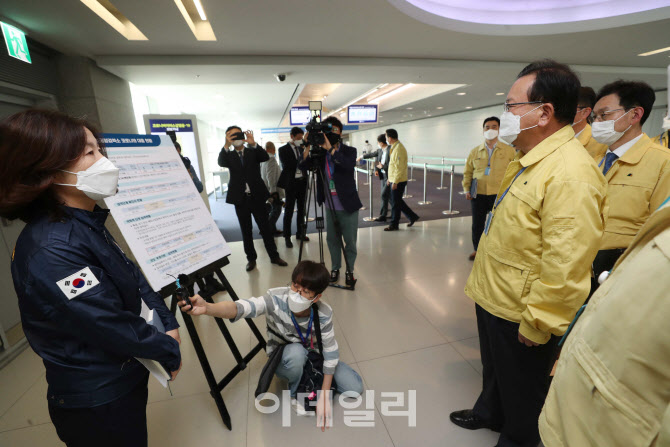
point(293, 360)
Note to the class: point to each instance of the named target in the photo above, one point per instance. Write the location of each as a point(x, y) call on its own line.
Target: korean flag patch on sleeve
point(78, 283)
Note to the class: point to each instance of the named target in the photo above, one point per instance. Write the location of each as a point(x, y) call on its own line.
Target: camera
point(316, 131)
point(281, 77)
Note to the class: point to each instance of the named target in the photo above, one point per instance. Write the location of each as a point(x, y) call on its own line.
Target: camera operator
point(247, 191)
point(338, 164)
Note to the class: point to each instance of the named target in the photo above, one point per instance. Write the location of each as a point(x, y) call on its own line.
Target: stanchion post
point(411, 170)
point(367, 168)
point(371, 218)
point(450, 211)
point(407, 195)
point(442, 177)
point(425, 185)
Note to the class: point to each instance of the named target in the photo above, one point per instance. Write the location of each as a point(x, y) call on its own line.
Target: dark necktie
point(609, 161)
point(241, 154)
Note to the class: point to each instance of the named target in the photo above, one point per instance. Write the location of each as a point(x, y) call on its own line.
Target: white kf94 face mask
point(510, 125)
point(298, 303)
point(603, 131)
point(490, 134)
point(100, 180)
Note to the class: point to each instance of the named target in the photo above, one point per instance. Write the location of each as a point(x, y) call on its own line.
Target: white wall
point(451, 136)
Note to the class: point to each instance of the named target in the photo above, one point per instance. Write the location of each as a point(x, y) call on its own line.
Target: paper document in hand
point(154, 367)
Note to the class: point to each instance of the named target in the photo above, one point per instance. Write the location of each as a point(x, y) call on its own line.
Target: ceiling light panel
point(196, 19)
point(660, 50)
point(110, 14)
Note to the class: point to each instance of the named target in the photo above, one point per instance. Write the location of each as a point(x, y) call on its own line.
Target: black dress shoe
point(251, 265)
point(411, 222)
point(302, 238)
point(334, 275)
point(391, 229)
point(379, 219)
point(289, 244)
point(469, 420)
point(279, 261)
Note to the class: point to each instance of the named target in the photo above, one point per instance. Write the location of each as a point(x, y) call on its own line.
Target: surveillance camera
point(281, 77)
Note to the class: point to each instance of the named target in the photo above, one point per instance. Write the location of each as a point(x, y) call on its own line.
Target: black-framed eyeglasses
point(509, 105)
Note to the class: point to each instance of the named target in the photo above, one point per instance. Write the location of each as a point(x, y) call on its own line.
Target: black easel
point(242, 362)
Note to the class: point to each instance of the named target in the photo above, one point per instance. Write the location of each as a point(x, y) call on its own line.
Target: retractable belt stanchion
point(451, 211)
point(367, 168)
point(411, 170)
point(425, 183)
point(407, 195)
point(442, 177)
point(371, 218)
point(356, 171)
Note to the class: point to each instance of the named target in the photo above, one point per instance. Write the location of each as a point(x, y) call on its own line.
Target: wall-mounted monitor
point(300, 116)
point(362, 114)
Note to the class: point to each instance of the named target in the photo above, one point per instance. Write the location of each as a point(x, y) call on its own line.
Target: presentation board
point(158, 210)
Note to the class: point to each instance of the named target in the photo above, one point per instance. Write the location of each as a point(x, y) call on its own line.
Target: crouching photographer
point(297, 320)
point(338, 162)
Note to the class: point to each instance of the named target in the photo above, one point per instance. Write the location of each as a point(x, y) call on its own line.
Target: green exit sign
point(16, 42)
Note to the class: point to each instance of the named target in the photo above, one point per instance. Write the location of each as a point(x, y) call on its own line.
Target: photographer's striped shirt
point(274, 304)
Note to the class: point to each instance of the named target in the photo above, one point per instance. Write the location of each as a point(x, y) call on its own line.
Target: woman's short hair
point(312, 276)
point(34, 146)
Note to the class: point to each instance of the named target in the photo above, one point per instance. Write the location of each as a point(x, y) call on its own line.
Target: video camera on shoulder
point(319, 131)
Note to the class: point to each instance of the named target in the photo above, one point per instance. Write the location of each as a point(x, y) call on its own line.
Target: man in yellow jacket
point(398, 182)
point(483, 174)
point(532, 270)
point(587, 99)
point(636, 169)
point(611, 384)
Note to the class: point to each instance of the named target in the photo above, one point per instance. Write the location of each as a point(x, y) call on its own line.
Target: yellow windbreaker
point(478, 160)
point(534, 265)
point(638, 183)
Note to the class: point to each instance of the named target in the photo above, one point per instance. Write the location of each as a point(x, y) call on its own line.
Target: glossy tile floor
point(408, 326)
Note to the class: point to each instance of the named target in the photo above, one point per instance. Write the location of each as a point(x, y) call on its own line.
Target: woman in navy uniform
point(79, 295)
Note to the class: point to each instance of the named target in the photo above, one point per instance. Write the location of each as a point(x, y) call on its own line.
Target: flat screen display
point(363, 114)
point(300, 116)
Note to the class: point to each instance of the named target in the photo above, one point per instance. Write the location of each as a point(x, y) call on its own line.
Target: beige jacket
point(612, 382)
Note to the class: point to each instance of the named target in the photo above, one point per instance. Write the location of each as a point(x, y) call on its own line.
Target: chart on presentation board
point(159, 211)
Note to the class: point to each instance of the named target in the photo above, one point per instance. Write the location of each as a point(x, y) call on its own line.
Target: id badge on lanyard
point(487, 171)
point(489, 216)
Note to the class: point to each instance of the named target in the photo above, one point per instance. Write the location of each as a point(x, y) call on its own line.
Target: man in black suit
point(294, 183)
point(247, 191)
point(382, 157)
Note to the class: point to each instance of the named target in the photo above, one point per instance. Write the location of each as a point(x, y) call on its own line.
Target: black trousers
point(386, 197)
point(399, 205)
point(604, 261)
point(295, 195)
point(481, 206)
point(516, 380)
point(274, 212)
point(122, 422)
point(245, 210)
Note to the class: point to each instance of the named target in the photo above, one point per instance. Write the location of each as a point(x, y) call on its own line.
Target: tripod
point(316, 176)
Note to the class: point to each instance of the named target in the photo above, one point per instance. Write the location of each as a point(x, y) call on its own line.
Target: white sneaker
point(299, 409)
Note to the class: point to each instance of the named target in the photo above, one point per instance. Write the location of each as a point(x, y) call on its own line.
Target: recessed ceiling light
point(110, 14)
point(500, 94)
point(461, 93)
point(660, 50)
point(440, 108)
point(410, 108)
point(468, 107)
point(380, 98)
point(194, 15)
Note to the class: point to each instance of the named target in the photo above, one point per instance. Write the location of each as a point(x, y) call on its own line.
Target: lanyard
point(309, 327)
point(331, 168)
point(507, 190)
point(490, 154)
